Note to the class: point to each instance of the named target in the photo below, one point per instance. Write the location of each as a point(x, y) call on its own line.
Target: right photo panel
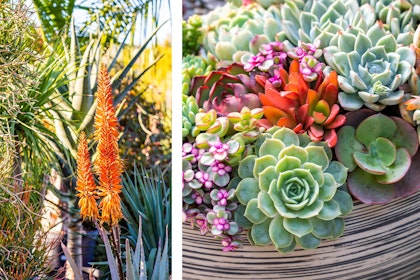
point(300, 139)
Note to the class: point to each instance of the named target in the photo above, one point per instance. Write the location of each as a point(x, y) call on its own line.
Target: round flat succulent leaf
point(220, 180)
point(247, 189)
point(266, 177)
point(233, 228)
point(338, 171)
point(321, 228)
point(271, 147)
point(328, 189)
point(239, 217)
point(246, 167)
point(330, 211)
point(294, 151)
point(346, 145)
point(398, 169)
point(384, 150)
point(241, 40)
point(262, 163)
point(375, 126)
point(345, 202)
point(349, 101)
point(260, 233)
point(287, 136)
point(364, 187)
point(316, 172)
point(405, 136)
point(410, 183)
point(287, 163)
point(253, 213)
point(308, 241)
point(317, 155)
point(298, 227)
point(266, 205)
point(368, 163)
point(280, 237)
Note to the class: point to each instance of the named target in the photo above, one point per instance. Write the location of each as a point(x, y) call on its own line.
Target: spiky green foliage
point(145, 193)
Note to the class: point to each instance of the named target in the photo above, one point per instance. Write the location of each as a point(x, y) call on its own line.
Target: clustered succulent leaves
point(290, 192)
point(292, 110)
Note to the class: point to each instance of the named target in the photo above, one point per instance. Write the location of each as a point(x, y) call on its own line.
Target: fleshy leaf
point(344, 201)
point(398, 169)
point(308, 241)
point(247, 189)
point(253, 214)
point(271, 147)
point(266, 177)
point(246, 167)
point(365, 188)
point(280, 237)
point(265, 204)
point(330, 211)
point(263, 162)
point(260, 233)
point(298, 227)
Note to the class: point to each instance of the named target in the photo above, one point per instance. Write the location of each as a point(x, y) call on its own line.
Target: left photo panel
point(85, 139)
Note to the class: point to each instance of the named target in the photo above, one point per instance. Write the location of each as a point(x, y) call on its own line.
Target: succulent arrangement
point(293, 111)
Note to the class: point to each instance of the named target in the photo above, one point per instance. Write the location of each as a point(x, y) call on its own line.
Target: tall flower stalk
point(108, 168)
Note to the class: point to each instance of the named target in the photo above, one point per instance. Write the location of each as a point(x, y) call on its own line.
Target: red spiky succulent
point(299, 107)
point(226, 90)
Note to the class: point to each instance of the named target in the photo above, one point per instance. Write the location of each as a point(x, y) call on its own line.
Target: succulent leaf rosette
point(289, 192)
point(371, 68)
point(381, 155)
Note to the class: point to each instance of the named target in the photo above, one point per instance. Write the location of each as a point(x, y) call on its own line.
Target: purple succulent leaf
point(410, 184)
point(365, 188)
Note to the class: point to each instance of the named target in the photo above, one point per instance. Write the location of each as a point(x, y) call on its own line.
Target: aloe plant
point(381, 155)
point(289, 193)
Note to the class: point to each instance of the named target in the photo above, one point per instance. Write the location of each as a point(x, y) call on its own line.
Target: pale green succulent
point(371, 67)
point(289, 192)
point(309, 21)
point(396, 16)
point(231, 32)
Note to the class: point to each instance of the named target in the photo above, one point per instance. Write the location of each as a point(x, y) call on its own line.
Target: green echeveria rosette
point(289, 193)
point(192, 66)
point(371, 67)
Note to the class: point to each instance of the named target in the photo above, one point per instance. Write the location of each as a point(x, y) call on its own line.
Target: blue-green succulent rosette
point(289, 192)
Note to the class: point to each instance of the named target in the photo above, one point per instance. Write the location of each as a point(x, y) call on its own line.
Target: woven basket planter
point(379, 242)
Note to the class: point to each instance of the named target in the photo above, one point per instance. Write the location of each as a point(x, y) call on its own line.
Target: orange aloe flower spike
point(85, 183)
point(108, 164)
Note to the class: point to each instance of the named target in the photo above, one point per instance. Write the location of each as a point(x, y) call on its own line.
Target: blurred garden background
point(50, 55)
